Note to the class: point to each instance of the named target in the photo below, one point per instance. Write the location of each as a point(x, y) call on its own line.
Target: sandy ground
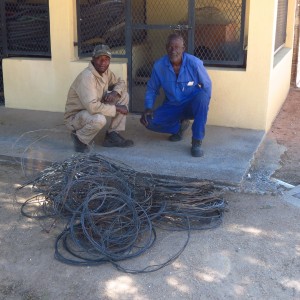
point(286, 130)
point(254, 254)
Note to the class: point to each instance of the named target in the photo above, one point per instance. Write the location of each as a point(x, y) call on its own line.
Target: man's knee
point(99, 121)
point(202, 97)
point(200, 103)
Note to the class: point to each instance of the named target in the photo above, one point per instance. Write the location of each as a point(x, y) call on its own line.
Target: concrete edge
point(293, 196)
point(42, 164)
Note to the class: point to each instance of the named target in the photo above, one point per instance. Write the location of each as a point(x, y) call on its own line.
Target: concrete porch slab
point(293, 196)
point(39, 136)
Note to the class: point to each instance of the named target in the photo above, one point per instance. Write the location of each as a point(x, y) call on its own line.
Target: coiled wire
point(112, 212)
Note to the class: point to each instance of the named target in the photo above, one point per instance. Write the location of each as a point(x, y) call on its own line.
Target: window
point(26, 30)
point(281, 22)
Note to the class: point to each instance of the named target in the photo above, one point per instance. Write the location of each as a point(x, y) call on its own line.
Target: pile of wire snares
point(113, 212)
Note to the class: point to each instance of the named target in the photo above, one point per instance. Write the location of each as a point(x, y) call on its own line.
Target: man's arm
point(116, 84)
point(144, 118)
point(87, 92)
point(122, 109)
point(153, 87)
point(116, 88)
point(203, 77)
point(111, 98)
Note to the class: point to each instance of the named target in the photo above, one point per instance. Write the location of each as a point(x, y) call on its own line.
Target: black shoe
point(79, 146)
point(178, 136)
point(113, 139)
point(196, 150)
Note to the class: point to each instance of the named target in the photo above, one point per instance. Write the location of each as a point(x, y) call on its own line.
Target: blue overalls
point(187, 96)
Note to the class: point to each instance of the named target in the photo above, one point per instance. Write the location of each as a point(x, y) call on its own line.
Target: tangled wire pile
point(112, 212)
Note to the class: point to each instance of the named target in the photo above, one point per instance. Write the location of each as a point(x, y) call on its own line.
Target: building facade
point(248, 89)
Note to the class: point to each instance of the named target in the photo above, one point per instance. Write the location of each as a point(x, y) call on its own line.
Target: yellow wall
point(248, 98)
point(279, 86)
point(253, 97)
point(281, 72)
point(240, 96)
point(42, 84)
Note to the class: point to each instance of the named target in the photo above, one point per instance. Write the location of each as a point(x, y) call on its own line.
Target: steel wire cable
point(112, 210)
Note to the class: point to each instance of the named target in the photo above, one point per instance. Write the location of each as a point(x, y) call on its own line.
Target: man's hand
point(122, 109)
point(146, 113)
point(111, 98)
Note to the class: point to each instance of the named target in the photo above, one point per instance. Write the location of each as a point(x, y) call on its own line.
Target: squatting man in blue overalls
point(187, 88)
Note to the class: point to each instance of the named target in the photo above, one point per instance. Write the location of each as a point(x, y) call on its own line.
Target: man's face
point(101, 63)
point(175, 48)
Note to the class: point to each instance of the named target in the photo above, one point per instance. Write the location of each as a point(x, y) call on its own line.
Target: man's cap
point(101, 50)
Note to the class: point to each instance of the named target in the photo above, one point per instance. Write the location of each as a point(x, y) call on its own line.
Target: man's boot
point(114, 139)
point(79, 146)
point(178, 136)
point(196, 150)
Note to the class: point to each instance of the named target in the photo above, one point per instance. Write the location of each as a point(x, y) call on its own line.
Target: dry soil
point(254, 254)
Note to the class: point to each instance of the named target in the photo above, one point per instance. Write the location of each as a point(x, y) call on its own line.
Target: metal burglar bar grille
point(27, 28)
point(152, 25)
point(24, 31)
point(282, 10)
point(142, 64)
point(101, 22)
point(213, 31)
point(219, 27)
point(219, 31)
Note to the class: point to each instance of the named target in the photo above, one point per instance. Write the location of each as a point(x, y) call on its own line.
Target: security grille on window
point(24, 30)
point(281, 22)
point(100, 22)
point(26, 27)
point(219, 30)
point(217, 26)
point(137, 30)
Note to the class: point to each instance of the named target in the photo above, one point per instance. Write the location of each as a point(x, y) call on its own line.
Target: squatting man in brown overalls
point(95, 94)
